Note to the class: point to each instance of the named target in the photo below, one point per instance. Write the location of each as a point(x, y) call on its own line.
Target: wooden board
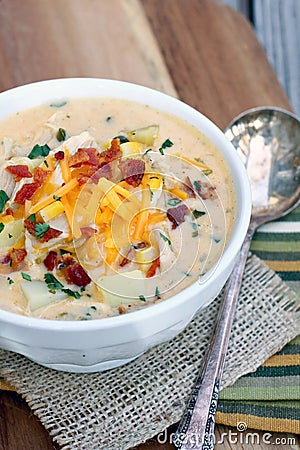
point(202, 51)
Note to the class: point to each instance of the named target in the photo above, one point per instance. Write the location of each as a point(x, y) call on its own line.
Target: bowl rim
point(233, 245)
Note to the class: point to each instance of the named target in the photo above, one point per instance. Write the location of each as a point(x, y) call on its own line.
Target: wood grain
point(214, 58)
point(205, 52)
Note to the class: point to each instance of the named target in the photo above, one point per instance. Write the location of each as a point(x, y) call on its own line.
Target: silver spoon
point(268, 141)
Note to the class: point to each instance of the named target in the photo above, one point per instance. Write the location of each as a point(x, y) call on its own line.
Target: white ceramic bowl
point(89, 346)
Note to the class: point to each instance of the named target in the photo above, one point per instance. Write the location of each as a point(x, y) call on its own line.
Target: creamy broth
point(141, 228)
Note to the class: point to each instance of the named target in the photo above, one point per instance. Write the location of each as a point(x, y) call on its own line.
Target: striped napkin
point(269, 399)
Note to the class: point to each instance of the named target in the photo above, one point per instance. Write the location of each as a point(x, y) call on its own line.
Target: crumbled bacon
point(152, 269)
point(87, 231)
point(188, 187)
point(52, 233)
point(5, 259)
point(19, 171)
point(50, 260)
point(59, 155)
point(79, 158)
point(65, 261)
point(40, 175)
point(26, 192)
point(176, 215)
point(93, 156)
point(75, 274)
point(17, 255)
point(205, 190)
point(9, 212)
point(113, 152)
point(132, 170)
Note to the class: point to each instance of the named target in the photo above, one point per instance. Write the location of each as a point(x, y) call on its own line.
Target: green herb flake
point(174, 201)
point(3, 199)
point(56, 197)
point(1, 227)
point(197, 185)
point(108, 119)
point(165, 238)
point(198, 214)
point(25, 276)
point(147, 151)
point(61, 135)
point(52, 282)
point(32, 218)
point(157, 293)
point(93, 308)
point(142, 298)
point(41, 229)
point(217, 240)
point(10, 235)
point(46, 164)
point(167, 143)
point(39, 150)
point(58, 104)
point(195, 234)
point(71, 293)
point(151, 194)
point(207, 171)
point(64, 252)
point(10, 281)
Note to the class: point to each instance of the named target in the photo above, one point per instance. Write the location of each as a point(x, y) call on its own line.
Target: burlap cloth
point(124, 407)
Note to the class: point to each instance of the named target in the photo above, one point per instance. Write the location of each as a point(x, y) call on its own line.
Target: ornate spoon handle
point(196, 428)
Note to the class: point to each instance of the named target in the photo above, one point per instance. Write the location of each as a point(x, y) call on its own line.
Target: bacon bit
point(152, 269)
point(132, 170)
point(59, 155)
point(124, 262)
point(129, 257)
point(93, 174)
point(176, 215)
point(17, 255)
point(40, 175)
point(75, 274)
point(121, 309)
point(9, 212)
point(19, 171)
point(50, 260)
point(205, 190)
point(26, 192)
point(93, 156)
point(50, 234)
point(188, 187)
point(87, 231)
point(79, 158)
point(65, 261)
point(5, 260)
point(113, 152)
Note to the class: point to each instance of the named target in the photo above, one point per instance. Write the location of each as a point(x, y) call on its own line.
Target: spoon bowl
point(267, 140)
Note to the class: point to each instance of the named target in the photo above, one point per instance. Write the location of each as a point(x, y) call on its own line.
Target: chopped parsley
point(207, 171)
point(71, 293)
point(26, 276)
point(56, 197)
point(142, 298)
point(10, 235)
point(10, 281)
point(58, 105)
point(1, 227)
point(195, 234)
point(174, 201)
point(167, 143)
point(32, 218)
point(55, 285)
point(64, 252)
point(46, 164)
point(108, 119)
point(147, 151)
point(52, 282)
point(151, 194)
point(39, 150)
point(122, 139)
point(197, 185)
point(61, 135)
point(3, 199)
point(165, 238)
point(157, 293)
point(198, 214)
point(41, 229)
point(93, 308)
point(217, 240)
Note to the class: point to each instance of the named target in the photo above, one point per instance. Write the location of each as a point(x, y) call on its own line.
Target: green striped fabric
point(269, 399)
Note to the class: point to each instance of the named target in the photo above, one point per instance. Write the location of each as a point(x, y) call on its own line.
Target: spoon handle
point(196, 428)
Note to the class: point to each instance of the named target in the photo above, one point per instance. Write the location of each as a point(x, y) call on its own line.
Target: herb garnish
point(39, 150)
point(3, 199)
point(58, 105)
point(1, 227)
point(165, 238)
point(195, 234)
point(174, 201)
point(64, 252)
point(55, 285)
point(10, 281)
point(10, 235)
point(26, 276)
point(122, 139)
point(41, 229)
point(151, 194)
point(157, 293)
point(46, 164)
point(197, 185)
point(61, 135)
point(147, 151)
point(108, 119)
point(198, 214)
point(56, 197)
point(32, 218)
point(164, 145)
point(142, 298)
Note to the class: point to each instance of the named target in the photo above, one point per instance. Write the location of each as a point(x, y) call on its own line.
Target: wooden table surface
point(198, 50)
